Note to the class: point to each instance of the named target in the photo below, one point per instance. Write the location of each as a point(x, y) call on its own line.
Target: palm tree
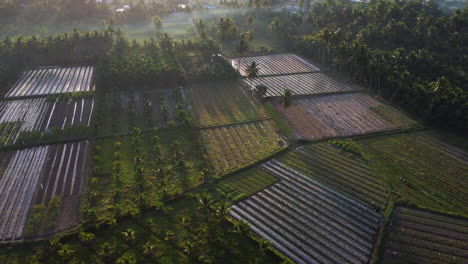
point(241, 226)
point(261, 90)
point(205, 204)
point(129, 235)
point(252, 72)
point(286, 97)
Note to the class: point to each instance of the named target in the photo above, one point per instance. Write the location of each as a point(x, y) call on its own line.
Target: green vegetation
point(394, 116)
point(420, 171)
point(283, 126)
point(131, 173)
point(70, 96)
point(350, 174)
point(347, 145)
point(251, 181)
point(54, 134)
point(190, 230)
point(219, 103)
point(43, 217)
point(155, 191)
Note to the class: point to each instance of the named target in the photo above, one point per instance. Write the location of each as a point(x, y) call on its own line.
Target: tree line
point(121, 63)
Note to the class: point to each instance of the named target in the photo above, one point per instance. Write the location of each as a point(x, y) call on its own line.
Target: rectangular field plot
point(53, 80)
point(341, 115)
point(235, 146)
point(351, 175)
point(35, 176)
point(422, 170)
point(274, 64)
point(420, 237)
point(40, 114)
point(308, 221)
point(251, 181)
point(223, 103)
point(300, 84)
point(144, 109)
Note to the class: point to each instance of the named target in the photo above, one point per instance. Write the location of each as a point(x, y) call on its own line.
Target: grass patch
point(279, 121)
point(419, 171)
point(251, 181)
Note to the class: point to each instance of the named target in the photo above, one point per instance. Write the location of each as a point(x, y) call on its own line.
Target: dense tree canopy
point(120, 63)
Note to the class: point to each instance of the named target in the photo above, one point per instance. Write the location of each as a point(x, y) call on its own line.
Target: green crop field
point(421, 170)
point(235, 146)
point(251, 181)
point(220, 103)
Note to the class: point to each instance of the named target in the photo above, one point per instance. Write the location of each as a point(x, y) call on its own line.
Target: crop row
point(308, 221)
point(53, 80)
point(36, 175)
point(231, 147)
point(223, 103)
point(300, 84)
point(17, 187)
point(349, 175)
point(335, 115)
point(436, 177)
point(274, 64)
point(421, 237)
point(40, 114)
point(251, 181)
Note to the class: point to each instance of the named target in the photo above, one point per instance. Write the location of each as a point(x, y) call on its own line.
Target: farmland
point(274, 64)
point(417, 236)
point(309, 221)
point(235, 146)
point(144, 109)
point(143, 169)
point(300, 84)
point(222, 103)
point(435, 173)
point(35, 176)
point(40, 114)
point(341, 115)
point(347, 173)
point(251, 181)
point(53, 80)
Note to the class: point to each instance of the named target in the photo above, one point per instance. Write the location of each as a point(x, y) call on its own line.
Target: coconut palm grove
point(234, 131)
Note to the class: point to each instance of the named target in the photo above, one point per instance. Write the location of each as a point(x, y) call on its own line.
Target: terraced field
point(274, 64)
point(435, 172)
point(53, 80)
point(420, 237)
point(300, 84)
point(251, 181)
point(351, 175)
point(223, 103)
point(40, 114)
point(36, 175)
point(341, 115)
point(308, 221)
point(235, 146)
